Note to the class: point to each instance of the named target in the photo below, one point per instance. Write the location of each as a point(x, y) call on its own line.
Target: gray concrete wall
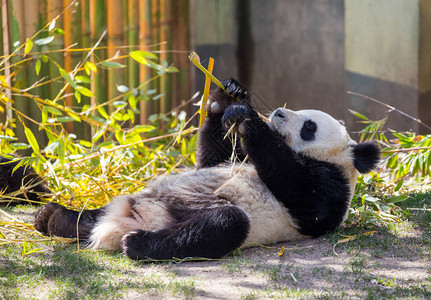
point(308, 54)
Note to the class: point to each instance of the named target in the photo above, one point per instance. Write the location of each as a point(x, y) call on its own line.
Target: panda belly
point(270, 221)
point(151, 209)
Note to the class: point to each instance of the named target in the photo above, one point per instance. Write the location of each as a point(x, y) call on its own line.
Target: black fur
point(12, 183)
point(308, 131)
point(366, 156)
point(209, 233)
point(315, 193)
point(54, 219)
point(213, 148)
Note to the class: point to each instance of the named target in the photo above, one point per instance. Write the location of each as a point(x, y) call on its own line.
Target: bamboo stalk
point(68, 62)
point(97, 25)
point(115, 36)
point(144, 40)
point(6, 52)
point(132, 39)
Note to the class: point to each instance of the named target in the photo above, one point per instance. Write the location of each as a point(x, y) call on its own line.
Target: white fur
point(270, 221)
point(119, 219)
point(332, 142)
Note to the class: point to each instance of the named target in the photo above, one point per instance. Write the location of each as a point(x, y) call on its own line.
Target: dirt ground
point(311, 269)
point(390, 262)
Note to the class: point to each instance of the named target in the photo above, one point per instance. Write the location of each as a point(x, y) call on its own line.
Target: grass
point(392, 263)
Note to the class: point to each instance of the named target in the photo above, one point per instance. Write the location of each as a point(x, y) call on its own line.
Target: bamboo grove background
point(116, 27)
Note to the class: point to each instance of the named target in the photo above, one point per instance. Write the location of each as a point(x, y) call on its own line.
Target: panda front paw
point(235, 92)
point(235, 115)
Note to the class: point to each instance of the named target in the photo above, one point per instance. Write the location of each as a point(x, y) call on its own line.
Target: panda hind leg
point(55, 219)
point(209, 233)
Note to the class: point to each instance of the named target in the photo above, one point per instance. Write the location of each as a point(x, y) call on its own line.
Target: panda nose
point(279, 113)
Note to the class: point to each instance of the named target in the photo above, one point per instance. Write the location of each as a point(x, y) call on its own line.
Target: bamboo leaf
point(68, 78)
point(111, 64)
point(58, 31)
point(142, 57)
point(119, 104)
point(83, 79)
point(396, 199)
point(103, 112)
point(7, 138)
point(28, 46)
point(122, 88)
point(399, 185)
point(84, 91)
point(44, 41)
point(78, 96)
point(359, 115)
point(89, 66)
point(44, 58)
point(38, 66)
point(31, 139)
point(51, 26)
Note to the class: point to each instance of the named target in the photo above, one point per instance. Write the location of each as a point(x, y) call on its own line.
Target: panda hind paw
point(136, 243)
point(43, 216)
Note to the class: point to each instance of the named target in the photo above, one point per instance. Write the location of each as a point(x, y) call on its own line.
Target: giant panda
point(296, 182)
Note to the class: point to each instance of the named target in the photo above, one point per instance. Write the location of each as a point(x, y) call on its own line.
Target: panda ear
point(366, 156)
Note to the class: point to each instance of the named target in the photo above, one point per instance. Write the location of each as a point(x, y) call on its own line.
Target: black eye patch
point(308, 131)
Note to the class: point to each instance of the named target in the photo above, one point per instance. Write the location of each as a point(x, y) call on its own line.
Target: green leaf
point(65, 119)
point(38, 66)
point(85, 143)
point(44, 41)
point(28, 46)
point(103, 112)
point(119, 104)
point(31, 139)
point(132, 101)
point(68, 78)
point(58, 31)
point(52, 110)
point(396, 199)
point(74, 116)
point(359, 115)
point(142, 128)
point(19, 146)
point(399, 185)
point(172, 69)
point(44, 58)
point(84, 91)
point(78, 97)
point(392, 162)
point(7, 138)
point(83, 79)
point(142, 57)
point(111, 64)
point(61, 150)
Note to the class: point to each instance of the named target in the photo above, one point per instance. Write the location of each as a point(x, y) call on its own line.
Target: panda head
point(316, 134)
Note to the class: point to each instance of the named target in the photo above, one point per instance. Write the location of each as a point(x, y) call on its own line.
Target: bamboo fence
point(161, 26)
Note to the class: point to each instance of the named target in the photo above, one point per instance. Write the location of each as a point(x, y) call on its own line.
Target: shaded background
point(305, 54)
